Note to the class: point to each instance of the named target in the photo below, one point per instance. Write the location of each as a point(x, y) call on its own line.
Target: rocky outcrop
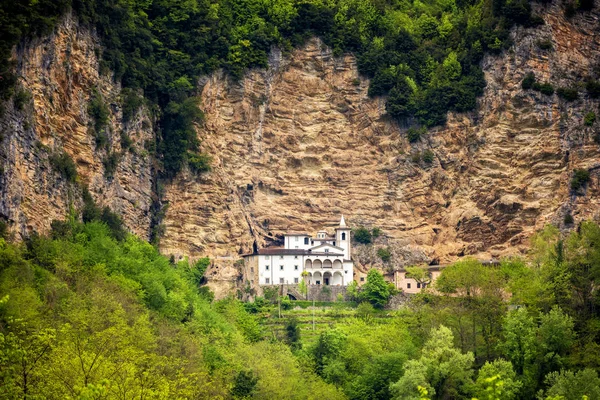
point(299, 144)
point(60, 73)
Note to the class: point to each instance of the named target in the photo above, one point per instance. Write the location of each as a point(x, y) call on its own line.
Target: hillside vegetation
point(88, 313)
point(424, 55)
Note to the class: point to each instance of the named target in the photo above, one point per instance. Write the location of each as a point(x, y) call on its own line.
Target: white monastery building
point(326, 259)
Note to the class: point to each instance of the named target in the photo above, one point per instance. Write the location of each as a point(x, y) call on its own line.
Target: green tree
point(442, 369)
point(571, 385)
point(362, 235)
point(497, 380)
point(376, 290)
point(520, 343)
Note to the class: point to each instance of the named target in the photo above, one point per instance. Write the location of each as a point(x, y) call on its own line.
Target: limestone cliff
point(299, 144)
point(60, 72)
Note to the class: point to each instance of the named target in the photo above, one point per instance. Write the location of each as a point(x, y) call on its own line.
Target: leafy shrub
point(99, 112)
point(110, 164)
point(199, 162)
point(131, 103)
point(91, 212)
point(568, 220)
point(580, 178)
point(376, 232)
point(362, 235)
point(3, 229)
point(544, 88)
point(63, 164)
point(528, 81)
point(385, 254)
point(428, 156)
point(568, 94)
point(589, 118)
point(126, 142)
point(593, 89)
point(414, 134)
point(22, 97)
point(415, 157)
point(545, 44)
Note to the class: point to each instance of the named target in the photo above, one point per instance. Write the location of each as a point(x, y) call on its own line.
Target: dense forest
point(424, 55)
point(92, 313)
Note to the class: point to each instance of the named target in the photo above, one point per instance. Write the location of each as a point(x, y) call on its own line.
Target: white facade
point(325, 259)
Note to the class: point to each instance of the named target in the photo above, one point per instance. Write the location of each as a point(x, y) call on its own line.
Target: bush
point(22, 97)
point(428, 156)
point(593, 89)
point(580, 178)
point(99, 112)
point(545, 44)
point(544, 88)
point(363, 235)
point(384, 254)
point(110, 164)
point(589, 118)
point(126, 142)
point(376, 232)
point(568, 219)
point(131, 103)
point(199, 162)
point(569, 94)
point(414, 134)
point(528, 81)
point(64, 165)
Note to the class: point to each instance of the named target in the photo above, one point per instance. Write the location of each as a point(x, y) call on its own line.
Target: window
point(326, 250)
point(312, 242)
point(305, 240)
point(266, 267)
point(280, 280)
point(296, 257)
point(281, 267)
point(251, 269)
point(418, 285)
point(408, 285)
point(318, 282)
point(362, 278)
point(295, 280)
point(343, 235)
point(295, 268)
point(281, 257)
point(267, 281)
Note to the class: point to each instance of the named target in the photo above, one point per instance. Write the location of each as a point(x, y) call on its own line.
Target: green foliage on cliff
point(425, 56)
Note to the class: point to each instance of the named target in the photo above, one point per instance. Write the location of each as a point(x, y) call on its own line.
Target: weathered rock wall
point(60, 72)
point(299, 144)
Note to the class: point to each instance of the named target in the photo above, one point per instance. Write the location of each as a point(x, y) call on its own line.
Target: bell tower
point(342, 238)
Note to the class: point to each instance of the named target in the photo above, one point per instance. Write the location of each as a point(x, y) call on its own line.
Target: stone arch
point(338, 279)
point(327, 264)
point(317, 264)
point(337, 264)
point(317, 278)
point(309, 278)
point(327, 278)
point(308, 264)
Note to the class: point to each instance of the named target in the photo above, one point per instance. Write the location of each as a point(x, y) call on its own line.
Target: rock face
point(60, 72)
point(299, 144)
